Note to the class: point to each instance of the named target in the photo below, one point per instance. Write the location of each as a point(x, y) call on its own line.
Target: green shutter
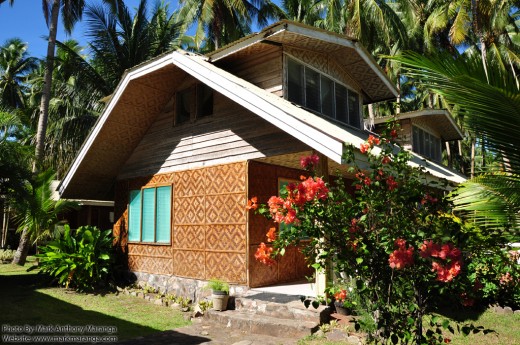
point(134, 216)
point(163, 214)
point(148, 224)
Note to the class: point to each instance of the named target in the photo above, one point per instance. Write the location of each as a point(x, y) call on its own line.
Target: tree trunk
point(20, 257)
point(480, 35)
point(472, 167)
point(448, 153)
point(23, 247)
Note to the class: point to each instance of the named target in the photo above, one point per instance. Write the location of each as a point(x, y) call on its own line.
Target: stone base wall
point(193, 289)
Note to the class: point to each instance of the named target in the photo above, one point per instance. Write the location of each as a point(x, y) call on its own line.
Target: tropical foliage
point(80, 259)
point(395, 242)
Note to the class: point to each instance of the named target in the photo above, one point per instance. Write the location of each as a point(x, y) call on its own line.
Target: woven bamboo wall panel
point(188, 210)
point(227, 266)
point(189, 264)
point(189, 236)
point(189, 183)
point(161, 179)
point(209, 230)
point(150, 265)
point(149, 250)
point(226, 237)
point(323, 63)
point(228, 178)
point(226, 208)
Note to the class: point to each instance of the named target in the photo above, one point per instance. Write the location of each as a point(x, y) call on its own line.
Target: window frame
point(426, 142)
point(359, 121)
point(194, 92)
point(155, 242)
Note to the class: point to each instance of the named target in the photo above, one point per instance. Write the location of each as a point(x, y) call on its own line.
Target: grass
point(506, 327)
point(25, 300)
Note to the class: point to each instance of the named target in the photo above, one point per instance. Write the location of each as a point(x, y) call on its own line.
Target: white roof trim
point(266, 105)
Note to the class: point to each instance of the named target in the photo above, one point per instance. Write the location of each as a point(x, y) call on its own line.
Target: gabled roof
point(145, 90)
point(348, 52)
point(439, 120)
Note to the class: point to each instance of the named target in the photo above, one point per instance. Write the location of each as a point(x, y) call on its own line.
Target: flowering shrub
point(395, 238)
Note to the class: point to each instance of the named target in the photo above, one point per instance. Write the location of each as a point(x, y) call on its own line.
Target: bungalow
point(186, 139)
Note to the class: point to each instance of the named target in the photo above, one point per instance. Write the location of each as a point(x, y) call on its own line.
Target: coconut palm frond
point(491, 200)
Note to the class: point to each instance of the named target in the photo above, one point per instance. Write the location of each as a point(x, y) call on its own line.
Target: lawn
point(26, 301)
point(506, 326)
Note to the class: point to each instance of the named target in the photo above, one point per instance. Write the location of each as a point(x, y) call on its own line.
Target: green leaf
point(359, 260)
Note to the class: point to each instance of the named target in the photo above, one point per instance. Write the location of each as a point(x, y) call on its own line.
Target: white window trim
point(433, 135)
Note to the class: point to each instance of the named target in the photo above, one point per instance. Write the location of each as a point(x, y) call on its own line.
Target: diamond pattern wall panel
point(150, 265)
point(209, 224)
point(226, 237)
point(188, 210)
point(189, 183)
point(227, 266)
point(226, 208)
point(189, 236)
point(228, 178)
point(189, 264)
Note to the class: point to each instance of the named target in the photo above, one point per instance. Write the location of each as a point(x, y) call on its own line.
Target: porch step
point(272, 314)
point(263, 324)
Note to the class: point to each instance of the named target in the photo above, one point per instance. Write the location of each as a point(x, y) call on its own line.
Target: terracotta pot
point(220, 300)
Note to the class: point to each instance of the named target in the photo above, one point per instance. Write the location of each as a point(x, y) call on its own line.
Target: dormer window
point(320, 93)
point(197, 99)
point(426, 144)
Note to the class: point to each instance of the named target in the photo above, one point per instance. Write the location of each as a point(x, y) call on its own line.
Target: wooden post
point(322, 277)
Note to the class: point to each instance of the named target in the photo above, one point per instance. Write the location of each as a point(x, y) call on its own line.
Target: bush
point(6, 255)
point(80, 259)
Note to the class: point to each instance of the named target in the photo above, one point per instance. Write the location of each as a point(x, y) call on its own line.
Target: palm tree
point(15, 64)
point(491, 106)
point(224, 21)
point(119, 41)
point(71, 11)
point(39, 215)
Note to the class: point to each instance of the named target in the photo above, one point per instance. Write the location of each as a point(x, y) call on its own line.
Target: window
point(426, 144)
point(149, 215)
point(316, 91)
point(198, 100)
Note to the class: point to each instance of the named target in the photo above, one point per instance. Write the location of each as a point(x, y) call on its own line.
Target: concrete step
point(293, 309)
point(258, 323)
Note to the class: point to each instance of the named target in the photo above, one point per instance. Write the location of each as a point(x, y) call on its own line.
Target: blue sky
point(25, 20)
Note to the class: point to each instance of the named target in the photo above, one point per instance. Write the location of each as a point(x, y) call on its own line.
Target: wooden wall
point(263, 183)
point(260, 64)
point(208, 225)
point(230, 134)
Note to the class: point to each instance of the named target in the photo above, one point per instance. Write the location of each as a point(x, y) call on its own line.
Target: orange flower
point(263, 254)
point(271, 235)
point(252, 204)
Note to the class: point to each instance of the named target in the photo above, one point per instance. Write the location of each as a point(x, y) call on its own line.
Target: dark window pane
point(341, 103)
point(204, 100)
point(312, 90)
point(415, 140)
point(327, 96)
point(295, 82)
point(183, 106)
point(354, 118)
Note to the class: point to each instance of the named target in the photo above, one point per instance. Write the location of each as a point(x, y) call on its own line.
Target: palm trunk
point(448, 153)
point(23, 247)
point(472, 167)
point(480, 35)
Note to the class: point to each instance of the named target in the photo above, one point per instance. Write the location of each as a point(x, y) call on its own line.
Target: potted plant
point(220, 293)
point(343, 301)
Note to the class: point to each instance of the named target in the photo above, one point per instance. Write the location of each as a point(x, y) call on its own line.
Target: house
point(187, 139)
point(424, 131)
